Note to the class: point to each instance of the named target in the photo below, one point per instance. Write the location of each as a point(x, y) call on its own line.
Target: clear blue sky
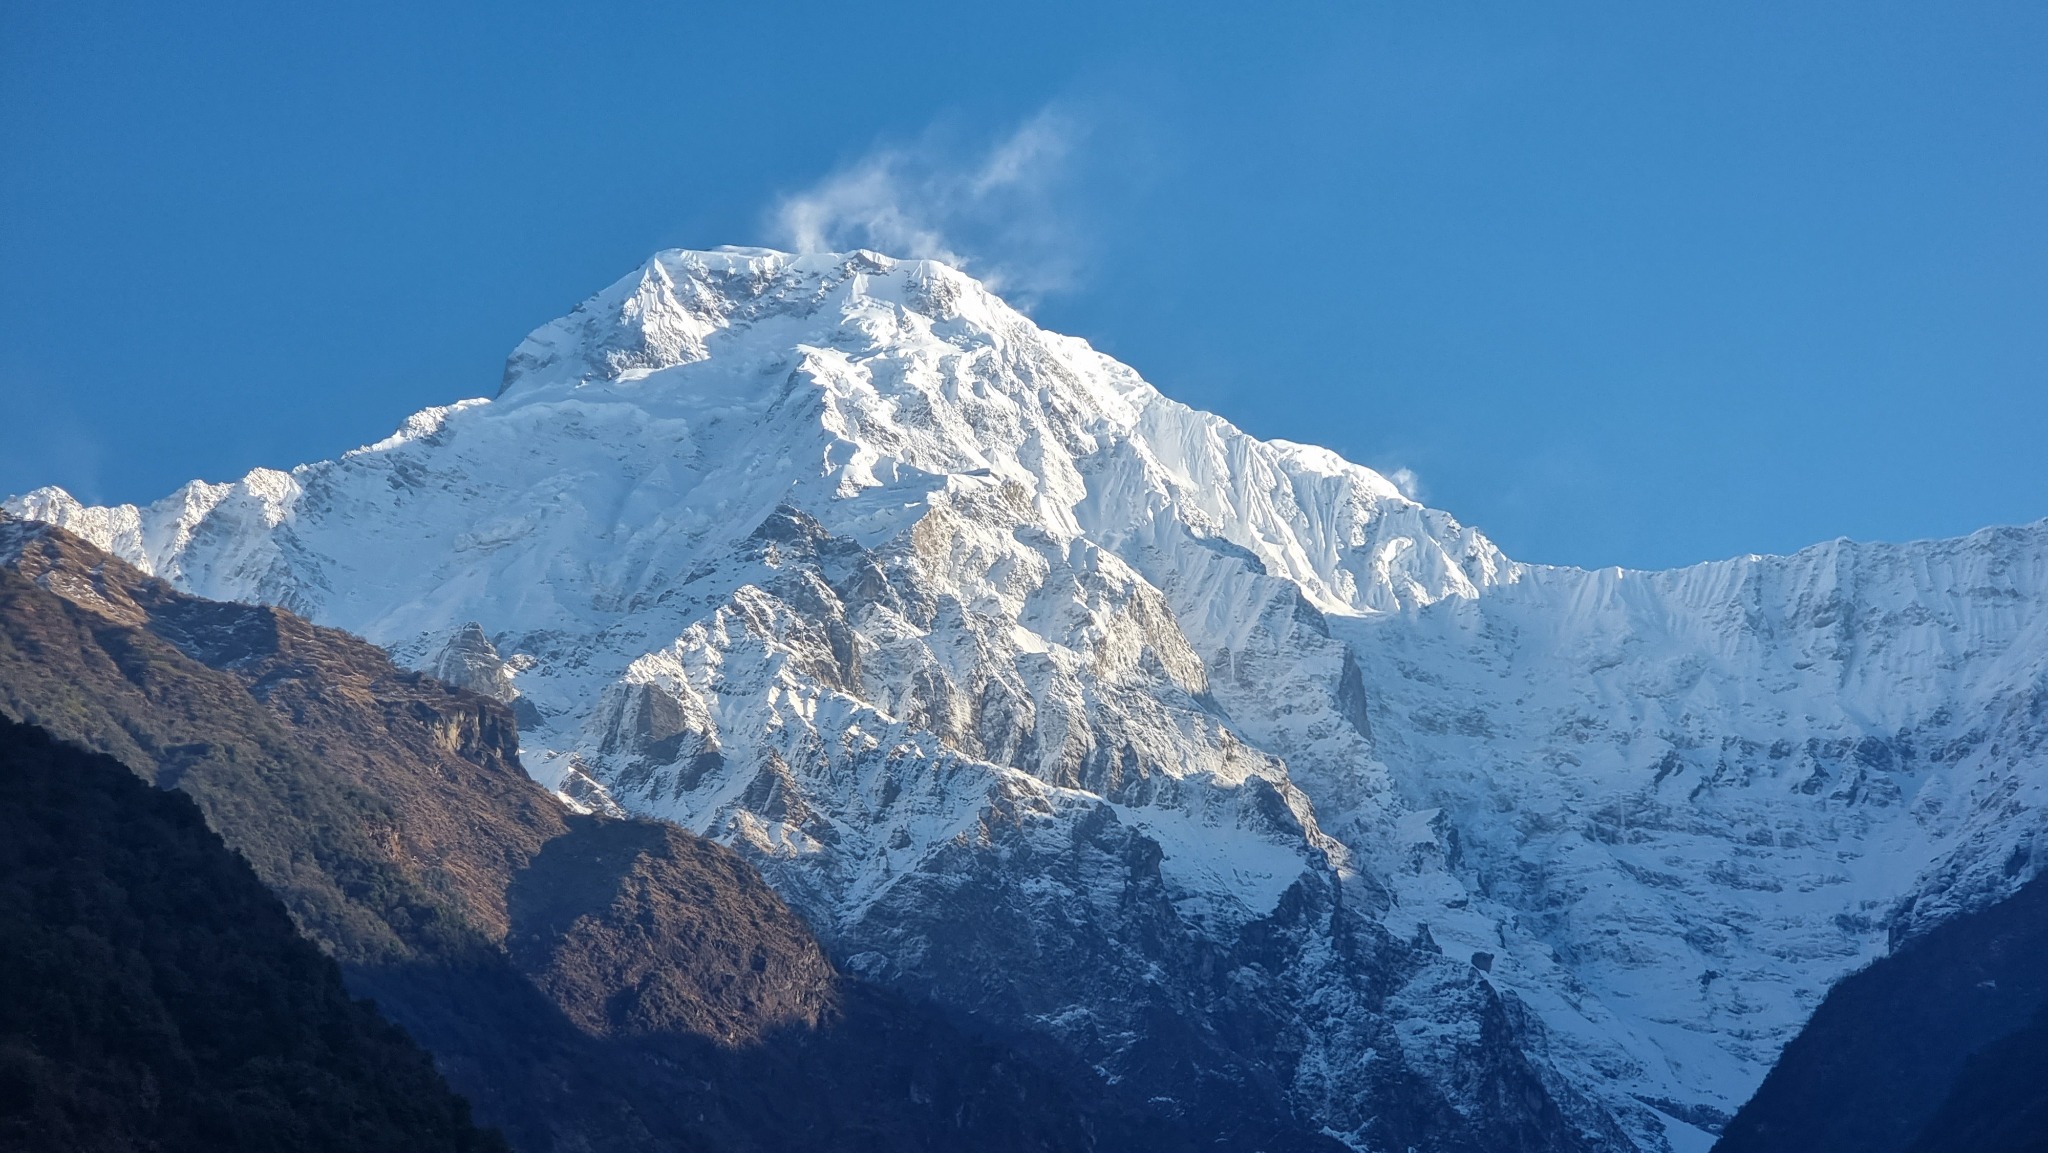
point(1623, 283)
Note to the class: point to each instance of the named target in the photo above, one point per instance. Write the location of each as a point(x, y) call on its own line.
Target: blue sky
point(1619, 283)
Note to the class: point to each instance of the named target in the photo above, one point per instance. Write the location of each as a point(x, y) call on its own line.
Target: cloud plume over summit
point(991, 210)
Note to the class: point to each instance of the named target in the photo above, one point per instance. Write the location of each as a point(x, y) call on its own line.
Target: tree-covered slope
point(1925, 1049)
point(2000, 1102)
point(158, 997)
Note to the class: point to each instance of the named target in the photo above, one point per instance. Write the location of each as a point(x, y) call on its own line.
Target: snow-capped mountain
point(1216, 761)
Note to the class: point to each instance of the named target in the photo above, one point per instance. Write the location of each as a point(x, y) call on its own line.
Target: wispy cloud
point(989, 210)
point(1404, 478)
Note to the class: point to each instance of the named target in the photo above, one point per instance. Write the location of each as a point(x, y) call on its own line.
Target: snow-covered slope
point(1216, 760)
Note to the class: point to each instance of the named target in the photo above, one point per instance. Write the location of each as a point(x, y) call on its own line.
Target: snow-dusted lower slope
point(1279, 797)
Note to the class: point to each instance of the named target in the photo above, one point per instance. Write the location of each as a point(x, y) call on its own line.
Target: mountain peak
point(969, 636)
point(750, 378)
point(662, 314)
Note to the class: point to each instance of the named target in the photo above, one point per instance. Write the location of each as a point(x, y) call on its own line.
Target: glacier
point(1217, 762)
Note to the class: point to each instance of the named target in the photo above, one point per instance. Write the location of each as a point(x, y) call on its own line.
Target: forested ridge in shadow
point(159, 997)
point(1941, 1045)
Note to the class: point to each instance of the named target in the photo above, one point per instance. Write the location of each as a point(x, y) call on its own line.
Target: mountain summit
point(1276, 797)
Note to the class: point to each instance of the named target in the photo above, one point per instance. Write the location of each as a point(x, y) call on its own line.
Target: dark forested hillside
point(158, 996)
point(586, 983)
point(1928, 1049)
point(2000, 1102)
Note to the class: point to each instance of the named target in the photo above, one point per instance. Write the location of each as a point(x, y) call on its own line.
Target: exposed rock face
point(1215, 762)
point(471, 662)
point(588, 983)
